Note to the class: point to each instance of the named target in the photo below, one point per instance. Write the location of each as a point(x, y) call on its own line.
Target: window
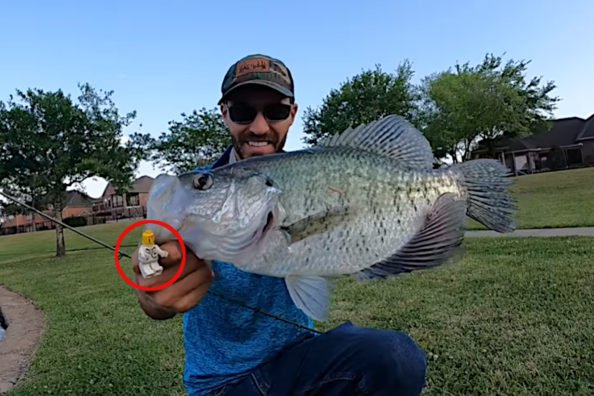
point(118, 201)
point(574, 156)
point(133, 200)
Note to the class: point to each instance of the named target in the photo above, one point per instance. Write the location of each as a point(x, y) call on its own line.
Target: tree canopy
point(485, 102)
point(198, 139)
point(48, 142)
point(361, 99)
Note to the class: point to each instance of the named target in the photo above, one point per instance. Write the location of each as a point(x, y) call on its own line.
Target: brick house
point(77, 204)
point(569, 143)
point(131, 204)
point(13, 224)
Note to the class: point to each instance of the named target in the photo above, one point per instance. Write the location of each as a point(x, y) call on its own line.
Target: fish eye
point(269, 182)
point(203, 181)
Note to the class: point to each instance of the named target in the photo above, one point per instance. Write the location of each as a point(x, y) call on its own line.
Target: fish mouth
point(273, 212)
point(241, 244)
point(261, 233)
point(268, 224)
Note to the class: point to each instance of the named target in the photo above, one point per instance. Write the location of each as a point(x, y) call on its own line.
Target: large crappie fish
point(366, 203)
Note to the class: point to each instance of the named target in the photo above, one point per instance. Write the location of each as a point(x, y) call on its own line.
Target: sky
point(163, 58)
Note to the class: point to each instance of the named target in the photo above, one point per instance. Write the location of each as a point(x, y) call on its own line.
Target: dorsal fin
point(391, 136)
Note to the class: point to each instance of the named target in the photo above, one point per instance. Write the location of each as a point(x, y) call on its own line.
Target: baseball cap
point(261, 70)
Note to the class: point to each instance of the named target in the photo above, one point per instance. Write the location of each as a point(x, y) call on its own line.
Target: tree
point(48, 143)
point(362, 99)
point(488, 102)
point(199, 138)
point(458, 106)
point(11, 209)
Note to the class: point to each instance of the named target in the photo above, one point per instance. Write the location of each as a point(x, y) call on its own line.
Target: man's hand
point(184, 294)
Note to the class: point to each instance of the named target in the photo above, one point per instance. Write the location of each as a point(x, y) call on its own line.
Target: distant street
point(545, 232)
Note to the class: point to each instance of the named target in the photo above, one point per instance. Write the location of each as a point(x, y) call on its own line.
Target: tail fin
point(489, 199)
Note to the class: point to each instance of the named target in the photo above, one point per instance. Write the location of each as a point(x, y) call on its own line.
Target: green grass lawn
point(553, 199)
point(43, 243)
point(513, 318)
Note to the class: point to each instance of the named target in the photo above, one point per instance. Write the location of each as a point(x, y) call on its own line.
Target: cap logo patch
point(257, 65)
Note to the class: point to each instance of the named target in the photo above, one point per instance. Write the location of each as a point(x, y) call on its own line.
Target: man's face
point(259, 119)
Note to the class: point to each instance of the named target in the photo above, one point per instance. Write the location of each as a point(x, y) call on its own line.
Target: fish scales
point(374, 190)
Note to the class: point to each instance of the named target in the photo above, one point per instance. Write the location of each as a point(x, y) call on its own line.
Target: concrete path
point(545, 232)
point(26, 325)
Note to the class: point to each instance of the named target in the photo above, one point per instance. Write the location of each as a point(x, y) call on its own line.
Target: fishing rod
point(124, 254)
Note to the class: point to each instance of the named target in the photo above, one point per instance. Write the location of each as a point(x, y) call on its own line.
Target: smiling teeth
point(258, 144)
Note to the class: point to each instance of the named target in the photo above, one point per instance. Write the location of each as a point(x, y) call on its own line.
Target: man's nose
point(259, 125)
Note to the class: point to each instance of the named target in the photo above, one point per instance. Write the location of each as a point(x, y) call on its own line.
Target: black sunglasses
point(244, 114)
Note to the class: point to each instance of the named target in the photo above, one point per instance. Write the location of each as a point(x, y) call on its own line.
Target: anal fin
point(437, 242)
point(311, 294)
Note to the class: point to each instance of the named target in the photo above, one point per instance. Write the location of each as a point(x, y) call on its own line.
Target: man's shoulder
point(223, 159)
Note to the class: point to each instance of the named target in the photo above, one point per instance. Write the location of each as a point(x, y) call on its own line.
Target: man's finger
point(168, 273)
point(196, 283)
point(135, 263)
point(174, 255)
point(190, 300)
point(197, 279)
point(191, 290)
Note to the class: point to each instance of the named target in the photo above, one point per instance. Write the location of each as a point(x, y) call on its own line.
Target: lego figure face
point(148, 238)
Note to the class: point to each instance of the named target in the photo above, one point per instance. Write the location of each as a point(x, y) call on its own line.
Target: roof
point(564, 132)
point(141, 185)
point(76, 198)
point(588, 130)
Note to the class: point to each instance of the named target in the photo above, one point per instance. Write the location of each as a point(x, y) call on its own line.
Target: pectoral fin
point(317, 223)
point(311, 294)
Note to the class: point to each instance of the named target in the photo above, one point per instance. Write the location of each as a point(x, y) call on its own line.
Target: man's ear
point(224, 113)
point(294, 109)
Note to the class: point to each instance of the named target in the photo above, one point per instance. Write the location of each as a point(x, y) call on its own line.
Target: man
point(231, 350)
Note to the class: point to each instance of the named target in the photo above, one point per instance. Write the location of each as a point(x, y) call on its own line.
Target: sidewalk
point(26, 325)
point(544, 232)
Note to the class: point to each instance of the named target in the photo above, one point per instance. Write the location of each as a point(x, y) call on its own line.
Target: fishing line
point(124, 254)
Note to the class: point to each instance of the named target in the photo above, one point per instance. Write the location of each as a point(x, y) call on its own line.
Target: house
point(569, 143)
point(76, 204)
point(13, 224)
point(131, 204)
point(110, 206)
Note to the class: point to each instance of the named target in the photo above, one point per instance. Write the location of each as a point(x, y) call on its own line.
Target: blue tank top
point(224, 341)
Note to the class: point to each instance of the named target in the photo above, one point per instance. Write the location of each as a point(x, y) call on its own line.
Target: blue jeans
point(347, 360)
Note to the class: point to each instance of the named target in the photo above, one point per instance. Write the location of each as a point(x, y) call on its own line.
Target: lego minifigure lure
point(148, 256)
